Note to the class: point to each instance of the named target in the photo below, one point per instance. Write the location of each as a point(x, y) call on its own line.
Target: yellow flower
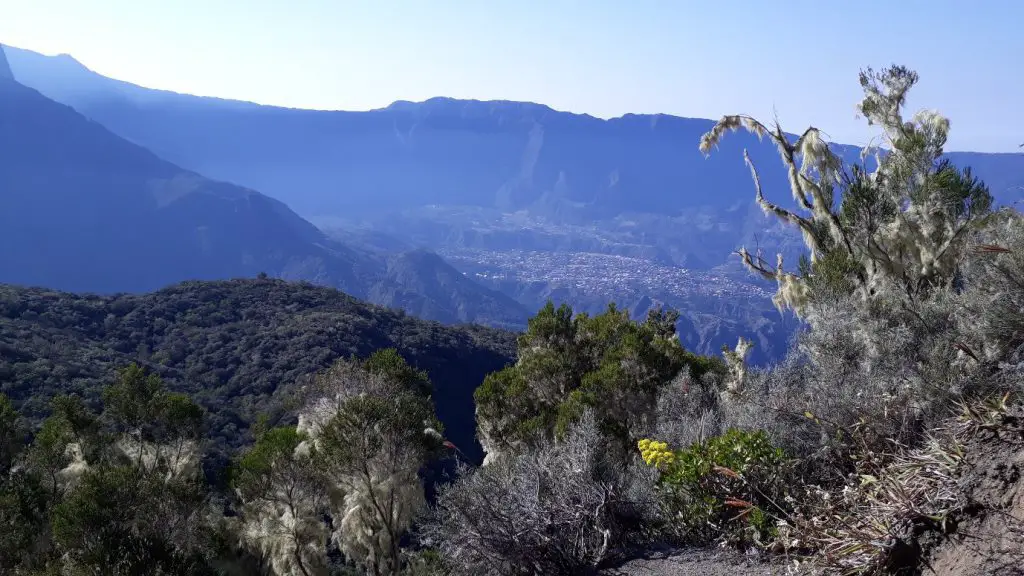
point(655, 453)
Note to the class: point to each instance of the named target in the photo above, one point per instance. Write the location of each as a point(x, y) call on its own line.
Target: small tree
point(608, 364)
point(126, 497)
point(365, 432)
point(158, 430)
point(905, 223)
point(283, 502)
point(882, 287)
point(373, 428)
point(64, 445)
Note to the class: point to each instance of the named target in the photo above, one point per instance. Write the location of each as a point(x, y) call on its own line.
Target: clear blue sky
point(797, 58)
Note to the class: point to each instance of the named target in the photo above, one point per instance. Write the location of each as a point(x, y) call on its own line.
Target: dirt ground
point(697, 563)
point(988, 537)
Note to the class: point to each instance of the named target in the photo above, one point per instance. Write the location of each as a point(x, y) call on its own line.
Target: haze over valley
point(527, 202)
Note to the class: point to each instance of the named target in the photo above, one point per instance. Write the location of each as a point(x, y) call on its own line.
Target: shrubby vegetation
point(560, 508)
point(910, 292)
point(364, 434)
point(604, 436)
point(121, 492)
point(731, 486)
point(238, 348)
point(562, 489)
point(569, 364)
point(114, 493)
point(347, 481)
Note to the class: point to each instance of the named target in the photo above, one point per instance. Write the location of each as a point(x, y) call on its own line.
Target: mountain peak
point(470, 107)
point(5, 68)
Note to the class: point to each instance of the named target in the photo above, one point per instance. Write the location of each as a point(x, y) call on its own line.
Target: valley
point(527, 203)
point(640, 262)
point(619, 277)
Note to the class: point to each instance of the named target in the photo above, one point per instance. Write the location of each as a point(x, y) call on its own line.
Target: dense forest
point(236, 347)
point(888, 439)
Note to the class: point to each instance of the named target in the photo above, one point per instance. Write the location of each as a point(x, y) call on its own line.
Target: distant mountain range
point(526, 200)
point(85, 210)
point(504, 155)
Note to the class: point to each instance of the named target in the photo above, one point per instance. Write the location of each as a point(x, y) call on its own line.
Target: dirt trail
point(697, 563)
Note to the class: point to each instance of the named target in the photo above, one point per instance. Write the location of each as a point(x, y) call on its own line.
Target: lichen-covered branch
point(905, 223)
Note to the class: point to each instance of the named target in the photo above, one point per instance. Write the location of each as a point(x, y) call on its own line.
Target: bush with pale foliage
point(364, 433)
point(559, 509)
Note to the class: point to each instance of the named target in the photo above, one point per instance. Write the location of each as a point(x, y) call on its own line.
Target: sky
point(797, 60)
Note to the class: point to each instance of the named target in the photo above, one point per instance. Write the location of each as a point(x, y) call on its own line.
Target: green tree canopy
point(568, 363)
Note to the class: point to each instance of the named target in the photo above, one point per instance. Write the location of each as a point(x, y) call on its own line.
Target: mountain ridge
point(27, 58)
point(527, 200)
point(92, 212)
point(501, 154)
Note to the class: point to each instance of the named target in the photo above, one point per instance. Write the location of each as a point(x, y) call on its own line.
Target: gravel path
point(696, 563)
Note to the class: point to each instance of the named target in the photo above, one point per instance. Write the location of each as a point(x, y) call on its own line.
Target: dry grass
point(868, 526)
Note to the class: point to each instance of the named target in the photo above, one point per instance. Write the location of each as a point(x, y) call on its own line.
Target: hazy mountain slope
point(238, 347)
point(509, 155)
point(420, 282)
point(5, 68)
point(86, 210)
point(498, 156)
point(90, 211)
point(62, 77)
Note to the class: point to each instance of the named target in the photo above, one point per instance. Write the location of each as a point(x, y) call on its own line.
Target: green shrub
point(610, 364)
point(731, 486)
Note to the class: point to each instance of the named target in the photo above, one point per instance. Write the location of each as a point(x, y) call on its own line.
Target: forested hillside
point(238, 347)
